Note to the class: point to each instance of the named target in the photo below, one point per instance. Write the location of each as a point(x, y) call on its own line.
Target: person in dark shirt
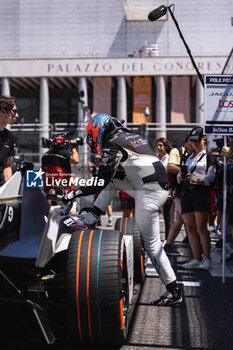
point(56, 163)
point(15, 114)
point(8, 115)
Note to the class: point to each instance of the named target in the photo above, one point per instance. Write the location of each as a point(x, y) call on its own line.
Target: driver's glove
point(89, 218)
point(71, 196)
point(92, 216)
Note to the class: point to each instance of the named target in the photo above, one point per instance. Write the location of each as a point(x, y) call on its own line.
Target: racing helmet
point(95, 130)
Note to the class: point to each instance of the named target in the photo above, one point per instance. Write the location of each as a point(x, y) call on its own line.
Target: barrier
point(28, 138)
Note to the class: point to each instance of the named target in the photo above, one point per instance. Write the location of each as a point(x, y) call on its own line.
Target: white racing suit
point(128, 164)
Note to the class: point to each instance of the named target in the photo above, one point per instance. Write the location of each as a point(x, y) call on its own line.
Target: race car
point(64, 279)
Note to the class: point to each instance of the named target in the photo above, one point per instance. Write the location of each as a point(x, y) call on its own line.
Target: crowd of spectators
point(196, 187)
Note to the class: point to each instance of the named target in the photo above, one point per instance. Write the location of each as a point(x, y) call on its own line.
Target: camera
point(62, 141)
point(184, 170)
point(219, 144)
point(185, 184)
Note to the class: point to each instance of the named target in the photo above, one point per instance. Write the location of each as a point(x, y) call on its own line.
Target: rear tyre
point(128, 226)
point(97, 290)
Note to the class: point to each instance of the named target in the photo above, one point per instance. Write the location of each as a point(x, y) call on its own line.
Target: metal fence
point(28, 138)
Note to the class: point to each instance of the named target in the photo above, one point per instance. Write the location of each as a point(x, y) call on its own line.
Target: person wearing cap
point(195, 198)
point(176, 156)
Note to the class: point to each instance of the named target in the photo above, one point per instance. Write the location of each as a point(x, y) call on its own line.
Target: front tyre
point(97, 290)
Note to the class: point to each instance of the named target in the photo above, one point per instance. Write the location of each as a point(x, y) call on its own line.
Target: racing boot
point(172, 296)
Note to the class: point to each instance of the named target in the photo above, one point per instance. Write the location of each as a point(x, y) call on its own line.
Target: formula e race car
point(63, 279)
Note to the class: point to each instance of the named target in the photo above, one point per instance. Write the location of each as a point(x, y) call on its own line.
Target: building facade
point(123, 63)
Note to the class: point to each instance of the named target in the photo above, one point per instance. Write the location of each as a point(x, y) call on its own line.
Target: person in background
point(164, 147)
point(228, 152)
point(127, 205)
point(218, 192)
point(56, 163)
point(197, 175)
point(8, 115)
point(94, 169)
point(15, 113)
point(176, 157)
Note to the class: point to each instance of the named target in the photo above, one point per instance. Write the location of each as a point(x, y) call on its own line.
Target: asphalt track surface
point(203, 321)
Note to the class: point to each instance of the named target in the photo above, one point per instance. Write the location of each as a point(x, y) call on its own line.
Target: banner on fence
point(180, 98)
point(142, 88)
point(102, 95)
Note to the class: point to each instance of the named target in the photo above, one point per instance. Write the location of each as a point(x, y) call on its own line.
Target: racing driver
point(129, 164)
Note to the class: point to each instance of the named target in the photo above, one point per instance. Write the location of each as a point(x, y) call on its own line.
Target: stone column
point(82, 86)
point(161, 106)
point(199, 103)
point(82, 122)
point(5, 87)
point(44, 111)
point(121, 99)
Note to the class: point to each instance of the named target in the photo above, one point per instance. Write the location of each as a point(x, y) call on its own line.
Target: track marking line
point(190, 283)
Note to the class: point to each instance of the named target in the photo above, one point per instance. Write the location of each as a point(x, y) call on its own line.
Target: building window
point(63, 106)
